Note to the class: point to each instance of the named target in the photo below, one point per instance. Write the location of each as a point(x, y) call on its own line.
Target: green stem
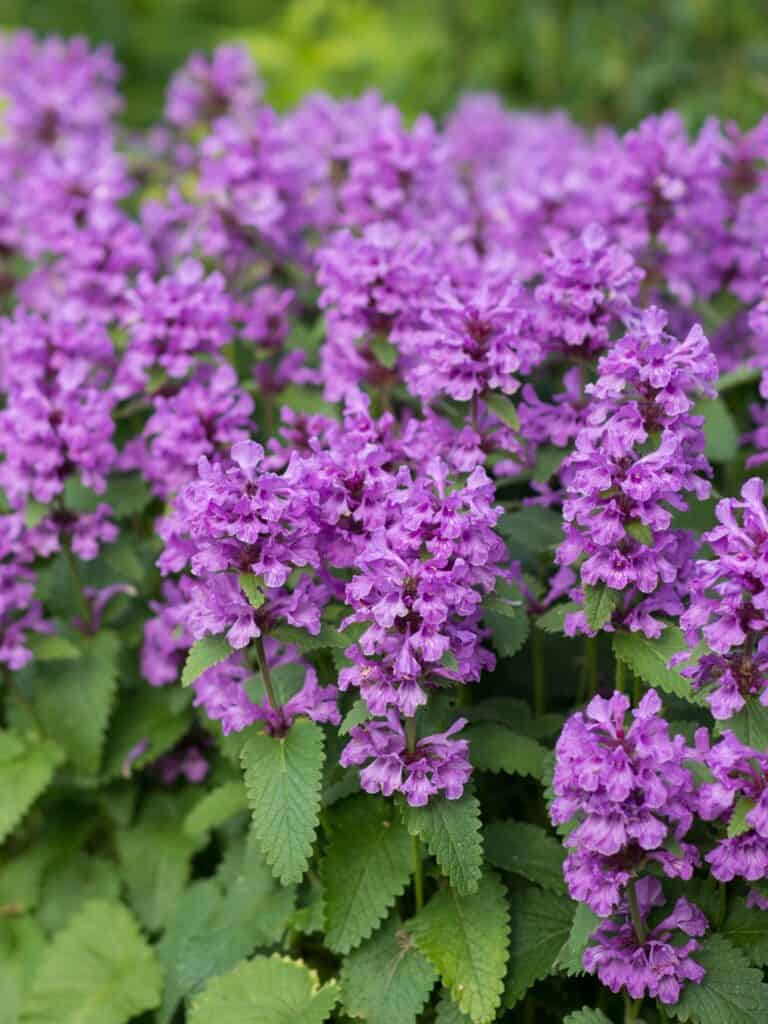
point(620, 675)
point(539, 679)
point(631, 1009)
point(722, 891)
point(634, 912)
point(418, 875)
point(75, 572)
point(265, 674)
point(590, 653)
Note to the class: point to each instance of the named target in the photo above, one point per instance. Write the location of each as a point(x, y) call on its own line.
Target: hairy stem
point(590, 653)
point(265, 674)
point(621, 672)
point(85, 604)
point(634, 912)
point(418, 875)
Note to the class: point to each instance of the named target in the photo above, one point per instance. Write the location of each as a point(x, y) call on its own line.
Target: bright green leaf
point(599, 604)
point(540, 924)
point(526, 850)
point(732, 992)
point(27, 764)
point(204, 653)
point(503, 407)
point(649, 658)
point(495, 748)
point(451, 831)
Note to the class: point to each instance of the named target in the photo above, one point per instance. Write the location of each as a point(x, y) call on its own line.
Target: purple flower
point(660, 963)
point(728, 605)
point(204, 89)
point(628, 795)
point(437, 763)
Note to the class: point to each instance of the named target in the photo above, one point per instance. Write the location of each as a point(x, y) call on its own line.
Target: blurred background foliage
point(602, 60)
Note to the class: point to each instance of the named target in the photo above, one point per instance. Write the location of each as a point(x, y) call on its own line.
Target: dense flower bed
point(384, 564)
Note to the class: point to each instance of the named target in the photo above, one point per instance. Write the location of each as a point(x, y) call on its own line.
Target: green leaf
point(640, 532)
point(366, 867)
point(526, 850)
point(202, 655)
point(586, 1016)
point(27, 764)
point(750, 725)
point(76, 707)
point(356, 715)
point(735, 378)
point(34, 513)
point(265, 990)
point(508, 632)
point(731, 992)
point(539, 925)
point(599, 604)
point(387, 980)
point(249, 584)
point(553, 620)
point(450, 830)
point(448, 1012)
point(72, 881)
point(720, 430)
point(585, 921)
point(215, 927)
point(747, 928)
point(385, 352)
point(22, 944)
point(98, 970)
point(155, 716)
point(466, 938)
point(52, 647)
point(127, 494)
point(282, 779)
point(156, 855)
point(738, 823)
point(648, 659)
point(503, 407)
point(495, 748)
point(216, 808)
point(287, 680)
point(533, 530)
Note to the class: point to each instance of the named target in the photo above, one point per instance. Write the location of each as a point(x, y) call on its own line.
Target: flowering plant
point(383, 587)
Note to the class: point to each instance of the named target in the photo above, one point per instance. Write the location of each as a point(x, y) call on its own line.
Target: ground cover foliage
point(383, 559)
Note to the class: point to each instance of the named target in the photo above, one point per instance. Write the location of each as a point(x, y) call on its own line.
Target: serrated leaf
point(553, 620)
point(750, 725)
point(27, 764)
point(451, 831)
point(570, 957)
point(649, 659)
point(738, 824)
point(98, 970)
point(75, 709)
point(156, 857)
point(366, 867)
point(731, 992)
point(215, 927)
point(282, 780)
point(448, 1012)
point(526, 850)
point(540, 924)
point(503, 407)
point(586, 1015)
point(720, 430)
point(508, 632)
point(265, 990)
point(495, 748)
point(599, 604)
point(466, 938)
point(387, 980)
point(203, 654)
point(747, 928)
point(249, 584)
point(216, 808)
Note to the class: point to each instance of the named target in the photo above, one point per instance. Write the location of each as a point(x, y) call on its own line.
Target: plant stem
point(590, 654)
point(265, 674)
point(631, 1009)
point(620, 675)
point(722, 891)
point(84, 602)
point(539, 679)
point(418, 876)
point(634, 912)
